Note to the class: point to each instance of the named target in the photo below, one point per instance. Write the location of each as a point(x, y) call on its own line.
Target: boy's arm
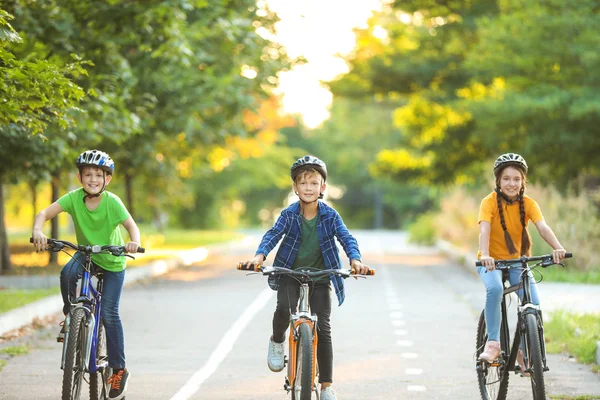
point(134, 235)
point(272, 237)
point(350, 246)
point(39, 239)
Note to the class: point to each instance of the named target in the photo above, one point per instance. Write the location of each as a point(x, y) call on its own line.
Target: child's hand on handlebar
point(40, 241)
point(132, 247)
point(257, 260)
point(488, 263)
point(558, 254)
point(359, 267)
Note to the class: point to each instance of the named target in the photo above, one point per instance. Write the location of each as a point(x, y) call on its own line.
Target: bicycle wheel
point(303, 384)
point(534, 353)
point(492, 379)
point(96, 381)
point(74, 368)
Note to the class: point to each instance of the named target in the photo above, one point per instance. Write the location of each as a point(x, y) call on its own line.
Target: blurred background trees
point(181, 94)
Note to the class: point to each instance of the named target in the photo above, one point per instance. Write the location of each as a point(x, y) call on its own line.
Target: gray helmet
point(96, 158)
point(308, 162)
point(509, 159)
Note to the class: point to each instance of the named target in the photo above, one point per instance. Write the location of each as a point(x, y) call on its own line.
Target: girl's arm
point(39, 239)
point(484, 245)
point(558, 253)
point(134, 235)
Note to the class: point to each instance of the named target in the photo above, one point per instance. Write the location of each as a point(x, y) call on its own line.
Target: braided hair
point(525, 238)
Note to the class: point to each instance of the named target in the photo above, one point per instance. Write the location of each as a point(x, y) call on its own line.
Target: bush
point(423, 231)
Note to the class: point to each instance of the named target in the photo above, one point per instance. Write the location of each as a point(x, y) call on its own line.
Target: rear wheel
point(303, 384)
point(492, 379)
point(96, 381)
point(74, 360)
point(534, 352)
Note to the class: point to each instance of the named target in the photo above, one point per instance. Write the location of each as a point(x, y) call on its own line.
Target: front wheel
point(534, 353)
point(492, 379)
point(303, 384)
point(74, 359)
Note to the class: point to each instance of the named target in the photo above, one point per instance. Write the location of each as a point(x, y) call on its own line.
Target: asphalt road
point(201, 332)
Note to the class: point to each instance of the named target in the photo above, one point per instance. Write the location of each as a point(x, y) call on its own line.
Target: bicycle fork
point(90, 321)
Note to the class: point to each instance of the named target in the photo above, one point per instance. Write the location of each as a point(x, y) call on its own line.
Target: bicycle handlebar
point(545, 259)
point(58, 245)
point(266, 270)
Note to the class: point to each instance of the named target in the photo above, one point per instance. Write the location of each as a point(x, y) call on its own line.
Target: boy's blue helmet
point(307, 162)
point(96, 158)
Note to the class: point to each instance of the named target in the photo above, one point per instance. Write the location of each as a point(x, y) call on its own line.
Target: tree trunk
point(5, 265)
point(129, 193)
point(33, 187)
point(55, 182)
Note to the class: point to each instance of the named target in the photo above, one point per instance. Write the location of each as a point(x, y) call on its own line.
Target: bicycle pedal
point(60, 340)
point(285, 360)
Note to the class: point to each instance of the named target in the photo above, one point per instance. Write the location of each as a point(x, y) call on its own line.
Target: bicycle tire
point(534, 350)
point(303, 384)
point(493, 380)
point(74, 369)
point(97, 391)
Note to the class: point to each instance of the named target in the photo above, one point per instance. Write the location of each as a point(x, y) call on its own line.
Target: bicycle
point(84, 346)
point(493, 377)
point(302, 369)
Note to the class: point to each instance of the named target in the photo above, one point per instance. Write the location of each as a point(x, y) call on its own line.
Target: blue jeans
point(111, 295)
point(493, 296)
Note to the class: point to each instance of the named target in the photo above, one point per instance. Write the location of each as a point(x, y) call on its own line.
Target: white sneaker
point(328, 394)
point(275, 358)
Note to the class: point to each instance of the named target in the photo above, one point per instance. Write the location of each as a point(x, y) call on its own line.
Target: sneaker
point(328, 394)
point(118, 384)
point(61, 335)
point(275, 358)
point(491, 352)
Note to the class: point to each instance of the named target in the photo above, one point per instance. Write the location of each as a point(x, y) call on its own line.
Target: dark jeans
point(111, 295)
point(320, 304)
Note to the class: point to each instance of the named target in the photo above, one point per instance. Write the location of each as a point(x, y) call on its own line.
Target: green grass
point(12, 298)
point(2, 364)
point(575, 334)
point(556, 273)
point(15, 350)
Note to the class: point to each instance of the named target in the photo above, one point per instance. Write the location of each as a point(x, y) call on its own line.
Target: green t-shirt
point(309, 253)
point(98, 227)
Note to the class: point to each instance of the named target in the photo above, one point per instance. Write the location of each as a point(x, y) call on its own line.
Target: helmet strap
point(506, 198)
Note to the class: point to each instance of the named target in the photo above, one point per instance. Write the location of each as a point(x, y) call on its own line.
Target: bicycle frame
point(302, 316)
point(525, 307)
point(89, 300)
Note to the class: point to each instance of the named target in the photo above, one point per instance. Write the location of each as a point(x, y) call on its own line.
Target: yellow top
point(488, 211)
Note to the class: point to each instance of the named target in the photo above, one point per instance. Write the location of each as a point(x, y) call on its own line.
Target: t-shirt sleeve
point(535, 213)
point(120, 211)
point(66, 203)
point(486, 210)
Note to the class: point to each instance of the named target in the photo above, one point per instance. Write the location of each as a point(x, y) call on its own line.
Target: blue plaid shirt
point(329, 225)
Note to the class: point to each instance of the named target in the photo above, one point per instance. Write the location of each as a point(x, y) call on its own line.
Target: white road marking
point(398, 323)
point(417, 388)
point(405, 343)
point(192, 386)
point(409, 355)
point(413, 371)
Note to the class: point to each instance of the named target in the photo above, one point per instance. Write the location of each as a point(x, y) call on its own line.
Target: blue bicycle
point(84, 346)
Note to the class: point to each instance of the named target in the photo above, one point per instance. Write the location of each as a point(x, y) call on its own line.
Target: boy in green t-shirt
point(96, 216)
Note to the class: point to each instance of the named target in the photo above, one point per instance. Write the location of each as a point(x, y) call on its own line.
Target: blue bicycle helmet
point(96, 158)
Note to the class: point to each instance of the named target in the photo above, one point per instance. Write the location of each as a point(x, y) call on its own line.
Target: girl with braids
point(503, 218)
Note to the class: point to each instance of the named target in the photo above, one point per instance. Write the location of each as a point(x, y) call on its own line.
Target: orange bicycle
point(302, 368)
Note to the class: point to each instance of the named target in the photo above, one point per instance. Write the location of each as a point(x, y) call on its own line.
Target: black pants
point(320, 304)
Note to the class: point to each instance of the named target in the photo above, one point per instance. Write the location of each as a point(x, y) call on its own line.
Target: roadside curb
point(463, 258)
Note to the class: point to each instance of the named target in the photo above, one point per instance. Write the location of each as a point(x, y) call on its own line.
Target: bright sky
point(317, 30)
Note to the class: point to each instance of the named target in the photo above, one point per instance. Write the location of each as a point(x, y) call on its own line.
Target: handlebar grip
point(141, 250)
point(370, 272)
point(248, 267)
point(30, 240)
point(478, 263)
point(568, 255)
